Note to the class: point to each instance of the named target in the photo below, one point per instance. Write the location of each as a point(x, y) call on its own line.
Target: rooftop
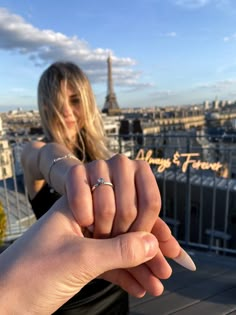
point(209, 290)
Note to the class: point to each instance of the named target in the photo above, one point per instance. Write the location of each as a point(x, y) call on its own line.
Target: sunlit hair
point(51, 98)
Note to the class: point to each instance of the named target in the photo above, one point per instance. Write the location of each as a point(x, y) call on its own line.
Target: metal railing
point(196, 175)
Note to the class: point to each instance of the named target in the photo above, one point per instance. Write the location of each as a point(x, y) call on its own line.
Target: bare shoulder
point(33, 145)
point(31, 150)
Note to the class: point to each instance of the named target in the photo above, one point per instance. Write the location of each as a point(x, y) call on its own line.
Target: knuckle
point(127, 252)
point(128, 215)
point(106, 213)
point(98, 165)
point(121, 159)
point(152, 206)
point(143, 164)
point(75, 170)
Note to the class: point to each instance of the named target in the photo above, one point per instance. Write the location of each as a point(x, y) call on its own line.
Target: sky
point(164, 52)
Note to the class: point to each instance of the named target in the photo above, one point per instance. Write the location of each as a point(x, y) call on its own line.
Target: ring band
point(101, 181)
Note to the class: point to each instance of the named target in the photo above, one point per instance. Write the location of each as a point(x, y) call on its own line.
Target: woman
point(116, 194)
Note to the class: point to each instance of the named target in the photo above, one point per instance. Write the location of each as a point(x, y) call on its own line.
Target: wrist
point(54, 162)
point(58, 159)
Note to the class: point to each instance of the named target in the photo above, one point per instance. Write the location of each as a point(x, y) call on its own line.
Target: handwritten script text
point(183, 160)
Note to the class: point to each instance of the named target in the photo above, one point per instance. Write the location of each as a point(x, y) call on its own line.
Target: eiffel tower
point(111, 106)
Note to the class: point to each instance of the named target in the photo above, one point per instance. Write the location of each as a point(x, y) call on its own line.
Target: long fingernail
point(185, 260)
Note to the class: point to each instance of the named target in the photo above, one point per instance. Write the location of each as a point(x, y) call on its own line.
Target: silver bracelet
point(67, 156)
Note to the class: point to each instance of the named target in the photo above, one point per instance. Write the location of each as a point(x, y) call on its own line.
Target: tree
point(3, 223)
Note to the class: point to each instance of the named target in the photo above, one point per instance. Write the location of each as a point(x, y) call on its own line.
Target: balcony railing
point(196, 175)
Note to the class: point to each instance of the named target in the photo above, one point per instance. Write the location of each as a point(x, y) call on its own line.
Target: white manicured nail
point(185, 260)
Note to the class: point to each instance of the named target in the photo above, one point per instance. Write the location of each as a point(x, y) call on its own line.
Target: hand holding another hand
point(132, 205)
point(56, 261)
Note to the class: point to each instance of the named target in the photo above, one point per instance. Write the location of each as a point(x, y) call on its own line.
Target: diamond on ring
point(101, 181)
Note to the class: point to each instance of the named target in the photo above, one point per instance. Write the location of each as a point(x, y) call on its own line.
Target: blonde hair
point(51, 97)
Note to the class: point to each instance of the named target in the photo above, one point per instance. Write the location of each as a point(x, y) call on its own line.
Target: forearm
point(21, 275)
point(18, 289)
point(31, 269)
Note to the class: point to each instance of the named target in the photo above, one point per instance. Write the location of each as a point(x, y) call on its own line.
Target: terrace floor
point(210, 290)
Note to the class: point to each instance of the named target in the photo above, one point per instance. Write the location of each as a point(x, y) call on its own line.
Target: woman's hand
point(133, 204)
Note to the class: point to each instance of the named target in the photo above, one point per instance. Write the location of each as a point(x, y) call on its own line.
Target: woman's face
point(71, 111)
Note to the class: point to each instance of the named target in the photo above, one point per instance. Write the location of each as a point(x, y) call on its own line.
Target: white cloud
point(224, 5)
point(230, 38)
point(170, 34)
point(163, 94)
point(46, 46)
point(192, 4)
point(218, 85)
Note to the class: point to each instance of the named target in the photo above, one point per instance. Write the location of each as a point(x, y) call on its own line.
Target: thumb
point(133, 249)
point(124, 251)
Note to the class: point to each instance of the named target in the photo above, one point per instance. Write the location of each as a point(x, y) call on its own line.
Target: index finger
point(79, 196)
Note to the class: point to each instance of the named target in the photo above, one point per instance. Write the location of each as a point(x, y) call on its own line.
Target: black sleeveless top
point(99, 297)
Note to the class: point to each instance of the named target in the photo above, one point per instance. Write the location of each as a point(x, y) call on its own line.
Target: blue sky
point(164, 52)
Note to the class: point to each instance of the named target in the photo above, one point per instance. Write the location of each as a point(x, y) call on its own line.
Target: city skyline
point(173, 52)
